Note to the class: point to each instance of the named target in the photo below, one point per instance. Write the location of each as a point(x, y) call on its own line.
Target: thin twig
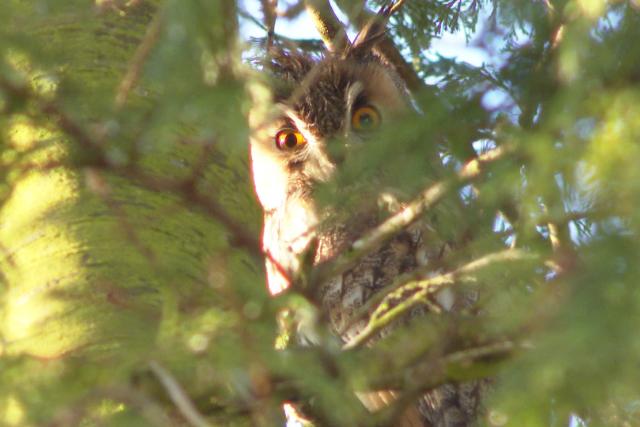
point(384, 315)
point(292, 11)
point(560, 239)
point(420, 368)
point(187, 190)
point(467, 355)
point(306, 45)
point(438, 367)
point(99, 186)
point(406, 72)
point(407, 216)
point(386, 47)
point(76, 413)
point(554, 236)
point(178, 395)
point(48, 108)
point(245, 14)
point(239, 236)
point(452, 366)
point(269, 16)
point(134, 71)
point(395, 6)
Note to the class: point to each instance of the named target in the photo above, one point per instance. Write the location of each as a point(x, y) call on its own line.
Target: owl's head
point(326, 109)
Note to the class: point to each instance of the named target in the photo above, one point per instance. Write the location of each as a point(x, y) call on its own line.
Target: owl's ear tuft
point(287, 68)
point(288, 64)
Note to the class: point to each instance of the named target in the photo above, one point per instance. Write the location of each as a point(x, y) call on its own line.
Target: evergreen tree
point(132, 289)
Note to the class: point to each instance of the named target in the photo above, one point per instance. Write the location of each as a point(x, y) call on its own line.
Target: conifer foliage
point(132, 290)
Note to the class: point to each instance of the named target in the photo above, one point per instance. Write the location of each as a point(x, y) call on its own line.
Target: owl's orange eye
point(365, 119)
point(288, 139)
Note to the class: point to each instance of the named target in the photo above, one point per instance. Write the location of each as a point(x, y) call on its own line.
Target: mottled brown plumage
point(318, 98)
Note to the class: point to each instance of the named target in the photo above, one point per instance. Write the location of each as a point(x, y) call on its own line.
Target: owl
point(328, 108)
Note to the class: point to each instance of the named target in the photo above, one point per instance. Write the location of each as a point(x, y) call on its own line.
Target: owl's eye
point(288, 139)
point(365, 119)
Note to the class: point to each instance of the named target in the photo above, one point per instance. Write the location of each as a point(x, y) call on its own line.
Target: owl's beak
point(338, 151)
point(338, 157)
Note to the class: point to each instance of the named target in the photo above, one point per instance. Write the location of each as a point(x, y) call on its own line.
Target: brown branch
point(384, 315)
point(269, 14)
point(454, 366)
point(395, 6)
point(292, 11)
point(99, 186)
point(328, 25)
point(188, 192)
point(178, 396)
point(74, 414)
point(134, 71)
point(65, 123)
point(407, 216)
point(560, 238)
point(554, 236)
point(385, 47)
point(407, 73)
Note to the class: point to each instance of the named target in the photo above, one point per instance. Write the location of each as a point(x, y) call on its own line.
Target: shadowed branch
point(387, 312)
point(407, 216)
point(187, 189)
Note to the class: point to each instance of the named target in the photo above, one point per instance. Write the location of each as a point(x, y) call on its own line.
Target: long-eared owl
point(329, 108)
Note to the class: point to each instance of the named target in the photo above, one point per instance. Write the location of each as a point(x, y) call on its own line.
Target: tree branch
point(178, 396)
point(407, 216)
point(76, 413)
point(328, 25)
point(292, 11)
point(459, 365)
point(188, 192)
point(385, 46)
point(186, 189)
point(385, 313)
point(134, 71)
point(406, 72)
point(269, 16)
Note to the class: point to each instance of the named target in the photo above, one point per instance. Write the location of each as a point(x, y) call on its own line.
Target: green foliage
point(130, 268)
